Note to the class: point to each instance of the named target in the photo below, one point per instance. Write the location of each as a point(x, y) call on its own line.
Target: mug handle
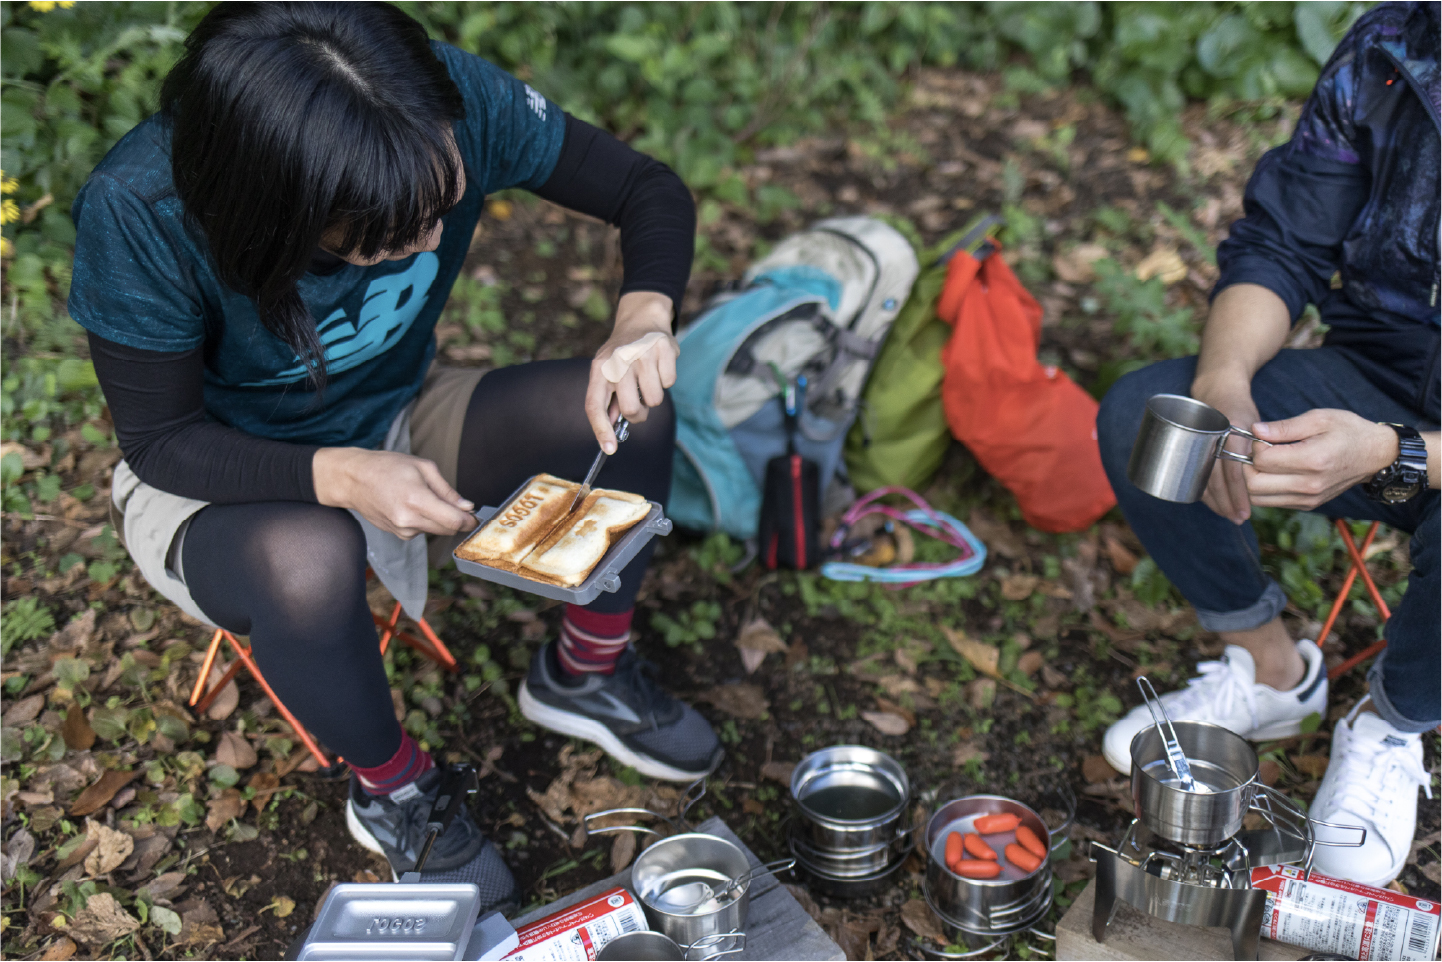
point(1234, 456)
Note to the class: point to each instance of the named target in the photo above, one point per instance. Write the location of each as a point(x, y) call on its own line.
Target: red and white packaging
point(576, 934)
point(1332, 915)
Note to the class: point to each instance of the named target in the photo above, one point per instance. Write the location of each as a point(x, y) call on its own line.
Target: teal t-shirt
point(143, 278)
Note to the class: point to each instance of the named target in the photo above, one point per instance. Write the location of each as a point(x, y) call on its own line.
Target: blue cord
point(845, 571)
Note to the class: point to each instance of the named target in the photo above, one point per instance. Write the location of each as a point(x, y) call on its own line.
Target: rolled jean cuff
point(1267, 607)
point(1384, 707)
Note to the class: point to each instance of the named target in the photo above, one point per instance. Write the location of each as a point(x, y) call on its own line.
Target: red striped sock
point(592, 641)
point(406, 765)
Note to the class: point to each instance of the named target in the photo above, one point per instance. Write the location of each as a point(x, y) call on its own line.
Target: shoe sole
point(1279, 730)
point(363, 836)
point(595, 732)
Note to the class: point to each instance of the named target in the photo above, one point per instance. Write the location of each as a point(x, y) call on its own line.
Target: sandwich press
point(410, 919)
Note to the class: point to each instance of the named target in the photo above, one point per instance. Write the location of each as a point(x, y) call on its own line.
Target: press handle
point(586, 821)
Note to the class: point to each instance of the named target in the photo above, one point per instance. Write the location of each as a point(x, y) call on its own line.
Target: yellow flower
point(45, 6)
point(9, 211)
point(5, 249)
point(8, 185)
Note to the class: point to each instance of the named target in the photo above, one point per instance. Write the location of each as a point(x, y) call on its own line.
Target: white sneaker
point(1372, 782)
point(1227, 694)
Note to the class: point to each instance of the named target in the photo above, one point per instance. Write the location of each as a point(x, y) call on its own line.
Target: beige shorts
point(147, 520)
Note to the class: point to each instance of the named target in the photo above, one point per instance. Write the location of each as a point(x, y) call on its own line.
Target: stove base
point(1133, 935)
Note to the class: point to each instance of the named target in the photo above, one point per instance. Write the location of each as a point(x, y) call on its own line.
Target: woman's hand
point(1317, 456)
point(1227, 489)
point(399, 493)
point(644, 384)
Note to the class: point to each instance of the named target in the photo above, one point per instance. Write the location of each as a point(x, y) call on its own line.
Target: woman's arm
point(596, 174)
point(156, 401)
point(157, 405)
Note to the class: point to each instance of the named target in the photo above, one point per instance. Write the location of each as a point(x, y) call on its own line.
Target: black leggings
point(291, 575)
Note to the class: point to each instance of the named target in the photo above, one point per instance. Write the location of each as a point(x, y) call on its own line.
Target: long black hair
point(290, 120)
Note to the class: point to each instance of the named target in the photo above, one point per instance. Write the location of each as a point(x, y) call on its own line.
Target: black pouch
point(790, 501)
point(790, 509)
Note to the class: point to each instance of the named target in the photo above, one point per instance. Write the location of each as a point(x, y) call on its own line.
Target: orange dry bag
point(1031, 427)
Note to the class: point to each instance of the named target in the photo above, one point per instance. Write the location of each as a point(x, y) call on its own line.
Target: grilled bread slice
point(577, 545)
point(511, 533)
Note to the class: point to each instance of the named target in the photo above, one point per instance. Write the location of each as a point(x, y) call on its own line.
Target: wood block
point(1136, 935)
point(777, 927)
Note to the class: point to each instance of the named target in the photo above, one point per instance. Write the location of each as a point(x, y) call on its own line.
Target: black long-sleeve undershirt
point(156, 397)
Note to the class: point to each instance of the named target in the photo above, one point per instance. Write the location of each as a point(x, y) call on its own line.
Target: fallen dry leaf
point(1019, 587)
point(741, 700)
point(1164, 262)
point(1313, 766)
point(1269, 771)
point(101, 921)
point(76, 634)
point(24, 711)
point(1052, 678)
point(110, 850)
point(76, 731)
point(59, 950)
point(886, 722)
point(98, 795)
point(199, 924)
point(778, 771)
point(282, 905)
point(229, 698)
point(984, 658)
point(796, 654)
point(757, 640)
point(1076, 265)
point(895, 709)
point(221, 809)
point(265, 785)
point(365, 876)
point(996, 535)
point(968, 751)
point(1096, 769)
point(236, 751)
point(1030, 662)
point(917, 916)
point(1122, 559)
point(981, 693)
point(623, 849)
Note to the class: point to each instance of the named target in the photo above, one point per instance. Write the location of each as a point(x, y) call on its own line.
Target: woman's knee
point(301, 556)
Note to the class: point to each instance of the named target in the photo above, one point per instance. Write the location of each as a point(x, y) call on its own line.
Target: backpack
point(817, 307)
point(901, 436)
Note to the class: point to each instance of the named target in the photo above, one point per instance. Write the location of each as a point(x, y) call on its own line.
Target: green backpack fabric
point(901, 435)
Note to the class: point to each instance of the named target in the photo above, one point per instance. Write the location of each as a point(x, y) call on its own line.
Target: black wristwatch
point(1405, 478)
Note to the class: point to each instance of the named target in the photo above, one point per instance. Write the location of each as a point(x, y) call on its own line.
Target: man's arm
point(1247, 326)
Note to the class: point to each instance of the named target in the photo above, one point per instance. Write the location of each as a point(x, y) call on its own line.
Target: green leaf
point(223, 775)
point(1311, 723)
point(167, 920)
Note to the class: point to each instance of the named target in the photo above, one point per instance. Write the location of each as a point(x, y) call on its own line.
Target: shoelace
point(638, 677)
point(1215, 693)
point(1363, 775)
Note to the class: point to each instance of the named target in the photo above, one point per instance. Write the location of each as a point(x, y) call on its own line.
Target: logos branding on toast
point(521, 509)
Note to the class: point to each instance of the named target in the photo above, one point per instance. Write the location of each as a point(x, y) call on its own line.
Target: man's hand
point(1317, 456)
point(399, 493)
point(644, 384)
point(1226, 492)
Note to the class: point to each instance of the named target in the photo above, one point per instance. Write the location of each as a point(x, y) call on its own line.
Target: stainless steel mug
point(1179, 441)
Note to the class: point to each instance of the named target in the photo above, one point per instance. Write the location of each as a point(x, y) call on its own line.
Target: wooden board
point(1135, 935)
point(777, 927)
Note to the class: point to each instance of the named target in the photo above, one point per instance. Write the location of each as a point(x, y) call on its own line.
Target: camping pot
point(843, 865)
point(656, 947)
point(1221, 760)
point(683, 859)
point(1178, 442)
point(1013, 900)
point(850, 799)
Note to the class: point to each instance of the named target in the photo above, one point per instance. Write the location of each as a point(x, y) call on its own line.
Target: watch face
point(1399, 491)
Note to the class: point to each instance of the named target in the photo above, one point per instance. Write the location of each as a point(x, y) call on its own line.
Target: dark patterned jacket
point(1345, 214)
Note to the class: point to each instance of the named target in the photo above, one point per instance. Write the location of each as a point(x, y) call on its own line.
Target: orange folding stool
point(429, 645)
point(1358, 566)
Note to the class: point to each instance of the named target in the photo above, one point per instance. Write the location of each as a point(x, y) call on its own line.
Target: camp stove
point(1187, 857)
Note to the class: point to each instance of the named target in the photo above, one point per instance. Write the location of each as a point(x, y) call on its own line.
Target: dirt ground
point(229, 843)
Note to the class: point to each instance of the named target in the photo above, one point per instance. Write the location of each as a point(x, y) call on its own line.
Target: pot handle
point(708, 941)
point(683, 805)
point(1057, 837)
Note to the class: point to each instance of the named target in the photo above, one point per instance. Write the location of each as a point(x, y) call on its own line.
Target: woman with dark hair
point(260, 267)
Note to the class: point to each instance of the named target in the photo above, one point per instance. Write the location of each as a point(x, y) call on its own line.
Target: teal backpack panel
point(712, 488)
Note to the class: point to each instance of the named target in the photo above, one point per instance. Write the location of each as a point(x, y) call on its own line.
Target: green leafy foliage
point(25, 619)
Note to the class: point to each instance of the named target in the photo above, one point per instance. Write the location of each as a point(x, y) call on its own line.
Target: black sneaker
point(395, 826)
point(626, 713)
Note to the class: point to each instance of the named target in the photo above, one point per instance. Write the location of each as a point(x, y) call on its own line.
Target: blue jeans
point(1217, 564)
